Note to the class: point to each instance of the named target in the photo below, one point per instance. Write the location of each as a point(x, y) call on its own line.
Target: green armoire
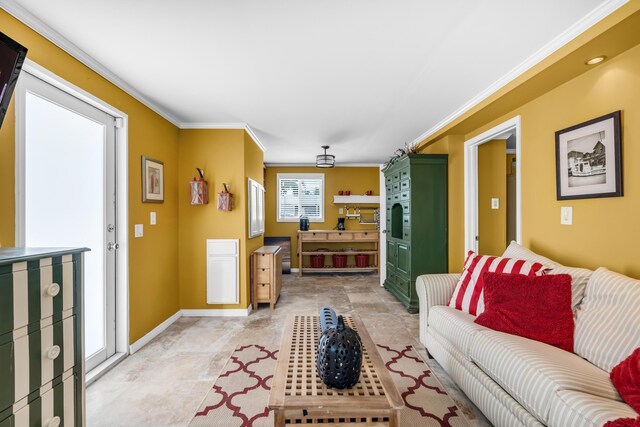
point(416, 227)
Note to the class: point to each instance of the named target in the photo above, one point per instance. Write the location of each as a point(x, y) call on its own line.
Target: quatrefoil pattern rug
point(240, 395)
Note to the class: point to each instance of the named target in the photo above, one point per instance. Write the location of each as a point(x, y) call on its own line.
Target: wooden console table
point(335, 236)
point(298, 395)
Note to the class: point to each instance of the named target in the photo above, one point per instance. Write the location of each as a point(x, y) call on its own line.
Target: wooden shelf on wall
point(350, 200)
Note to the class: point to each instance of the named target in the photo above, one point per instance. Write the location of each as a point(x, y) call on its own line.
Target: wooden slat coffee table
point(298, 395)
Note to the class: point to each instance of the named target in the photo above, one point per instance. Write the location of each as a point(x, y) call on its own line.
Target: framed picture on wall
point(589, 159)
point(152, 180)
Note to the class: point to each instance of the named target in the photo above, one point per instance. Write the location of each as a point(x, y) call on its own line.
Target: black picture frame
point(589, 159)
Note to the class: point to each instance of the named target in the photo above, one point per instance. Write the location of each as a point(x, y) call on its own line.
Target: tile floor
point(164, 383)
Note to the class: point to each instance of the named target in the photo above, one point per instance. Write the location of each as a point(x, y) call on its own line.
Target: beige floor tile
point(164, 383)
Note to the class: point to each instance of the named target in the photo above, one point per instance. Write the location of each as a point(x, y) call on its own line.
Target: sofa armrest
point(433, 289)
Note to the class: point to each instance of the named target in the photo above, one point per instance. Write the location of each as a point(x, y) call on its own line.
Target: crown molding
point(341, 165)
point(238, 125)
point(253, 136)
point(589, 20)
point(39, 26)
point(208, 125)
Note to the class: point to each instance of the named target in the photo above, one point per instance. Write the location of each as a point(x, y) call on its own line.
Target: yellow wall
point(492, 183)
point(153, 273)
point(604, 231)
point(355, 179)
point(221, 153)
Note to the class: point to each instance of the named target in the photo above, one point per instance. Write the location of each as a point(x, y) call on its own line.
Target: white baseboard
point(154, 333)
point(295, 270)
point(217, 312)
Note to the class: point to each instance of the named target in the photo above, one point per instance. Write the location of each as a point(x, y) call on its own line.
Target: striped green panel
point(58, 339)
point(58, 403)
point(35, 360)
point(6, 303)
point(57, 300)
point(35, 413)
point(7, 385)
point(34, 293)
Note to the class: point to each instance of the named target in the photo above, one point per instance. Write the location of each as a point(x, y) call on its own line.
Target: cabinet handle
point(53, 290)
point(52, 422)
point(53, 352)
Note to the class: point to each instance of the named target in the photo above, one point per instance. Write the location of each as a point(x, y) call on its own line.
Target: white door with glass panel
point(66, 196)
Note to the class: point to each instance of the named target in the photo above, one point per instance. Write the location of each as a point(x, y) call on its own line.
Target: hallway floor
point(164, 383)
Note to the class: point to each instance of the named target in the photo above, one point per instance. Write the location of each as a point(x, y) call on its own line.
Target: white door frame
point(382, 241)
point(122, 208)
point(471, 181)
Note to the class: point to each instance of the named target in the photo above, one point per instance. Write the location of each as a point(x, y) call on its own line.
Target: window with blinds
point(300, 194)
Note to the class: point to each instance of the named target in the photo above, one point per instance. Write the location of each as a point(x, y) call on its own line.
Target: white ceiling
point(364, 76)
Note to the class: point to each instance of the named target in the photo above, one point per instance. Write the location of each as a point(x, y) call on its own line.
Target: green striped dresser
point(41, 337)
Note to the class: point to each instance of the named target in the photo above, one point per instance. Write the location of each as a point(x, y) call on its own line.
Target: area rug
point(240, 396)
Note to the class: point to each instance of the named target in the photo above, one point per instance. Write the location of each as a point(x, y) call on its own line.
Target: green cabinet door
point(403, 259)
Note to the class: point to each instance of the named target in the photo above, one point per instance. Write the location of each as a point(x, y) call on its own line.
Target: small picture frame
point(589, 159)
point(152, 180)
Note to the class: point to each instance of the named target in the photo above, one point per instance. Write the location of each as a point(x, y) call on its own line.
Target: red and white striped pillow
point(468, 295)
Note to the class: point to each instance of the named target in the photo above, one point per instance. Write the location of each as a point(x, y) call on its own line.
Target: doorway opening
point(493, 189)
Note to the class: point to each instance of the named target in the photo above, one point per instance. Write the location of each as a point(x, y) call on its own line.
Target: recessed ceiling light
point(596, 60)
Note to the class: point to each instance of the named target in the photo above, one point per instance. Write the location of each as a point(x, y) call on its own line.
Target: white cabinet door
point(222, 272)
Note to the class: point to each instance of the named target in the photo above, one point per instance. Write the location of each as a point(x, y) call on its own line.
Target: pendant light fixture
point(325, 160)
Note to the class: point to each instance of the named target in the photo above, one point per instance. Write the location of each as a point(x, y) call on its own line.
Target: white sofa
point(520, 382)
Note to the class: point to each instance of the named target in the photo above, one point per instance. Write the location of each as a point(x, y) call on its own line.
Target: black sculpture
point(339, 354)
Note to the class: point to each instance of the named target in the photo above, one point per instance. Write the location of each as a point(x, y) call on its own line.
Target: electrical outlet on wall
point(566, 215)
point(340, 211)
point(495, 203)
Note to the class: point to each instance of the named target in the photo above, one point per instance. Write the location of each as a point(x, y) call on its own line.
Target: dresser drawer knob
point(52, 422)
point(53, 289)
point(53, 352)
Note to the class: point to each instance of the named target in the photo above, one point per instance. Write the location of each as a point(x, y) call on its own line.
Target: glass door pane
point(65, 184)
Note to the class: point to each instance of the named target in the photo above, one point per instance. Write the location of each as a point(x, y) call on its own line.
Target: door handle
point(111, 246)
point(384, 231)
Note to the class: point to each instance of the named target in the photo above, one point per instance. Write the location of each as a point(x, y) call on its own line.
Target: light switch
point(495, 203)
point(152, 218)
point(340, 211)
point(138, 230)
point(566, 215)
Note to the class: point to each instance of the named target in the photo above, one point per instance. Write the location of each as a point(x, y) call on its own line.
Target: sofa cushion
point(571, 408)
point(626, 379)
point(532, 371)
point(579, 279)
point(517, 251)
point(579, 276)
point(468, 295)
point(608, 320)
point(455, 325)
point(532, 307)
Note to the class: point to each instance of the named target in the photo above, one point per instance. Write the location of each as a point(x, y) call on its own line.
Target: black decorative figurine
point(339, 355)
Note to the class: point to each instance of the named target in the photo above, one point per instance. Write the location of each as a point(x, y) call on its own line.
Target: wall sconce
point(199, 189)
point(225, 199)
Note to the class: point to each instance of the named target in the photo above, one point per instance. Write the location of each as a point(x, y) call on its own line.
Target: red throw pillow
point(536, 307)
point(467, 296)
point(624, 422)
point(626, 379)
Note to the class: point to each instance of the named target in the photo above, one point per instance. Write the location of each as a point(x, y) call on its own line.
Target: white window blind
point(300, 194)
